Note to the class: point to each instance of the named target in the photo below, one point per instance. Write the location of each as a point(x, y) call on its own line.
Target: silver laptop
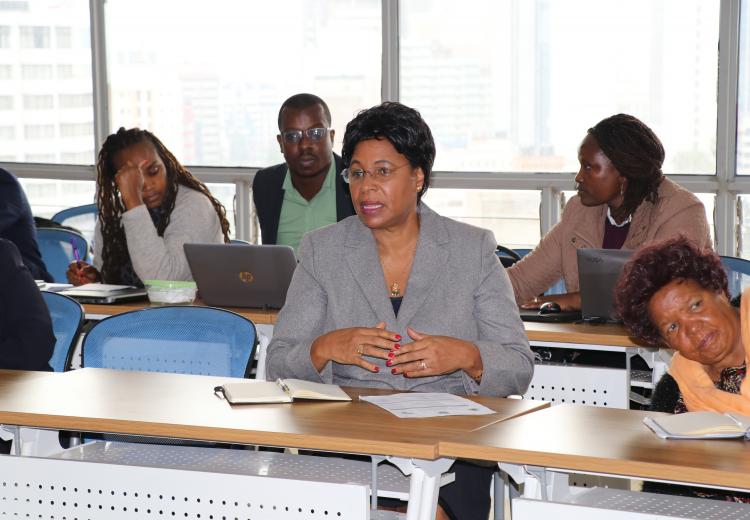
point(97, 297)
point(239, 275)
point(598, 272)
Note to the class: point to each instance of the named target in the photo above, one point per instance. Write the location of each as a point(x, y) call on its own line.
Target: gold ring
point(423, 365)
point(360, 349)
point(536, 299)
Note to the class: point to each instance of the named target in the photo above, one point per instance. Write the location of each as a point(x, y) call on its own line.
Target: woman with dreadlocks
point(149, 206)
point(624, 201)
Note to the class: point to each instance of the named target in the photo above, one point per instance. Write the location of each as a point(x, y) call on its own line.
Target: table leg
point(424, 485)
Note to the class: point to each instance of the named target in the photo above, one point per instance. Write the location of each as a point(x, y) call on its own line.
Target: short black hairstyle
point(302, 101)
point(636, 152)
point(400, 125)
point(655, 266)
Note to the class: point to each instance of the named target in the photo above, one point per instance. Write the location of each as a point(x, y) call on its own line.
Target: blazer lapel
point(361, 255)
point(428, 266)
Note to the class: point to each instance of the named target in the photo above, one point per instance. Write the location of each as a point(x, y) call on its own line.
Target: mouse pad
point(555, 317)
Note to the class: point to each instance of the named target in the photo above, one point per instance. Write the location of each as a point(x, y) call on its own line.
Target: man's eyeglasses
point(379, 174)
point(295, 136)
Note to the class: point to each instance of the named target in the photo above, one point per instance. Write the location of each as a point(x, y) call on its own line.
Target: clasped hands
point(426, 355)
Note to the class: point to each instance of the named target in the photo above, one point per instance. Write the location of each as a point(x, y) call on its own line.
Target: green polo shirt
point(298, 216)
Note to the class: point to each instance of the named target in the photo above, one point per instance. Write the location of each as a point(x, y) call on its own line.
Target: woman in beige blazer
point(624, 201)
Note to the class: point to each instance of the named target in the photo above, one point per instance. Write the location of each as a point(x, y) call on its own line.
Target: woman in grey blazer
point(399, 297)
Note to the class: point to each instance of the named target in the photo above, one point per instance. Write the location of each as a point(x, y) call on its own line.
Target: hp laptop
point(598, 271)
point(237, 275)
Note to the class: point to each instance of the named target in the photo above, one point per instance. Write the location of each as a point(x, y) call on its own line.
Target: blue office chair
point(67, 321)
point(56, 246)
point(237, 241)
point(83, 218)
point(178, 339)
point(738, 274)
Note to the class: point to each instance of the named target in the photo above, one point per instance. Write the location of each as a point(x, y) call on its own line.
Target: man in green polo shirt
point(306, 192)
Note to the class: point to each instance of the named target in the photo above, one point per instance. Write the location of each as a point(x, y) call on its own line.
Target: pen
point(75, 251)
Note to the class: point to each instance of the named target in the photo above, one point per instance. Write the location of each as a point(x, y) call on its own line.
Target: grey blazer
point(457, 288)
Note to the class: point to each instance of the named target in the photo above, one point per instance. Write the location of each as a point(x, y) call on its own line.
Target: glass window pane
point(36, 72)
point(515, 87)
point(743, 103)
point(513, 216)
point(224, 193)
point(48, 196)
point(208, 79)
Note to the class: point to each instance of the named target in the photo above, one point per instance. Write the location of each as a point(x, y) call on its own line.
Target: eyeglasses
point(379, 174)
point(295, 136)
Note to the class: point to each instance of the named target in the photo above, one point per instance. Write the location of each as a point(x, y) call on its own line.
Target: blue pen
point(75, 251)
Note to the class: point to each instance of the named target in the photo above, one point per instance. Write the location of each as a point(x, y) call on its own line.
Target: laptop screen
point(598, 272)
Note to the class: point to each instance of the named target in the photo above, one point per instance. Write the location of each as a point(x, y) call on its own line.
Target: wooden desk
point(185, 406)
point(95, 311)
point(581, 333)
point(608, 441)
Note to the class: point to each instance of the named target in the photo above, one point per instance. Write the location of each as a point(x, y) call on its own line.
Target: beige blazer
point(676, 211)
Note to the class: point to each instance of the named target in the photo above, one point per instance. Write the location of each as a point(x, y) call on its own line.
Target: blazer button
point(573, 240)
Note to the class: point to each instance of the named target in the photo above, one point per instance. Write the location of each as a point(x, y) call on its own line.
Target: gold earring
point(419, 188)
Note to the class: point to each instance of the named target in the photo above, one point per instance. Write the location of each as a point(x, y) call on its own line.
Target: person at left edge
point(26, 337)
point(17, 225)
point(149, 206)
point(305, 192)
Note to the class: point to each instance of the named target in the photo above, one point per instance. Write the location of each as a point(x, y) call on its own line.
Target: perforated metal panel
point(56, 489)
point(391, 482)
point(613, 504)
point(592, 386)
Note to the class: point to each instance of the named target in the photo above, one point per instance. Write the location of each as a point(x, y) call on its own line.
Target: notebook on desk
point(99, 293)
point(235, 275)
point(598, 272)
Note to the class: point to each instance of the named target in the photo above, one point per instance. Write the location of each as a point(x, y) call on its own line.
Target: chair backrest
point(83, 218)
point(239, 242)
point(179, 339)
point(56, 246)
point(738, 274)
point(67, 321)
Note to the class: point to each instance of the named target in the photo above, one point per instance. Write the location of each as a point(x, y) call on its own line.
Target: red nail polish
point(397, 346)
point(376, 369)
point(394, 371)
point(389, 362)
point(398, 337)
point(391, 354)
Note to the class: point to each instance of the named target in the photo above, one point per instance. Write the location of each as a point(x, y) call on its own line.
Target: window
point(4, 37)
point(76, 129)
point(513, 86)
point(39, 131)
point(38, 102)
point(743, 103)
point(6, 72)
point(211, 86)
point(48, 196)
point(36, 71)
point(7, 132)
point(513, 216)
point(35, 37)
point(75, 100)
point(64, 37)
point(48, 74)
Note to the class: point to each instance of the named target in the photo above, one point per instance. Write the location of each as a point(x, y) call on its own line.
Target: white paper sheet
point(418, 404)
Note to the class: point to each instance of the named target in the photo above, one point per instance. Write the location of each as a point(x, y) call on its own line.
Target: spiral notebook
point(279, 391)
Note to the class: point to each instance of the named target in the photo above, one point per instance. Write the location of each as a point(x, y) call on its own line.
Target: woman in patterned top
point(674, 294)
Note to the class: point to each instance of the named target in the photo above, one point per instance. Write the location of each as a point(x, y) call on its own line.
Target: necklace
point(395, 290)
